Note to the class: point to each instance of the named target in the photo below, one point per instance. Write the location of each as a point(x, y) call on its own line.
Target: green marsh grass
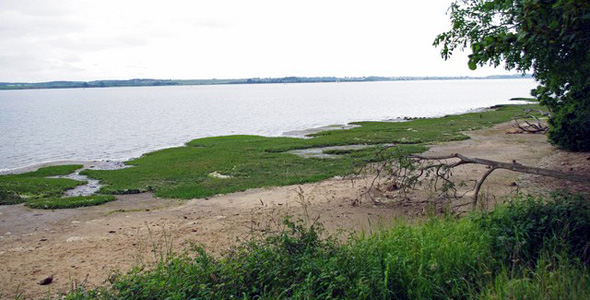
point(37, 190)
point(255, 161)
point(69, 202)
point(36, 184)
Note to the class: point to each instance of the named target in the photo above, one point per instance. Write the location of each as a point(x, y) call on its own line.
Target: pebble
point(75, 238)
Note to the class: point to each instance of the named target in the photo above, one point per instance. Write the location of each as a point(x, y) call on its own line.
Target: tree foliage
point(548, 37)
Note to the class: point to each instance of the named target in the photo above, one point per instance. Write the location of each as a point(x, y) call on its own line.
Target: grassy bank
point(18, 188)
point(529, 249)
point(255, 161)
point(39, 190)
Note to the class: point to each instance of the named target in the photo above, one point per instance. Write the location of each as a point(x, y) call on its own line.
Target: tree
point(549, 37)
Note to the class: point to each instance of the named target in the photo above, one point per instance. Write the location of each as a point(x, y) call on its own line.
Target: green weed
point(69, 202)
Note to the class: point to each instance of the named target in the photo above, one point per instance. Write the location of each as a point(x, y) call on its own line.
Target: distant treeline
point(162, 82)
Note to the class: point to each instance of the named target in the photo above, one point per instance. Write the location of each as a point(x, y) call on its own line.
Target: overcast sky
point(180, 39)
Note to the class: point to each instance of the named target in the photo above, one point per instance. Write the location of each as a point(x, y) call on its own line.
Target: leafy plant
point(549, 37)
point(527, 226)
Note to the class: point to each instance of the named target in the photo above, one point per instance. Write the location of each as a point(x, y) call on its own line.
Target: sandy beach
point(86, 245)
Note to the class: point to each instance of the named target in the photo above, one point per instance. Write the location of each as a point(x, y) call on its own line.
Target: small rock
point(46, 280)
point(43, 240)
point(218, 175)
point(112, 231)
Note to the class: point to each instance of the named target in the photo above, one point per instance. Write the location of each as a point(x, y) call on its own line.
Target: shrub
point(525, 227)
point(570, 127)
point(554, 277)
point(294, 264)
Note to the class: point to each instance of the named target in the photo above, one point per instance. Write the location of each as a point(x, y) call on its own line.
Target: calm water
point(119, 123)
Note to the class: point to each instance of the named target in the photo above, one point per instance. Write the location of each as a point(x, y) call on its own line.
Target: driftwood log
point(494, 165)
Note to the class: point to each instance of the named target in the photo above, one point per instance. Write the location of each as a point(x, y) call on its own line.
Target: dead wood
point(530, 127)
point(494, 165)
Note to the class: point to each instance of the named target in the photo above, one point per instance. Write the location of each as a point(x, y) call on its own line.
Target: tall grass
point(555, 277)
point(442, 258)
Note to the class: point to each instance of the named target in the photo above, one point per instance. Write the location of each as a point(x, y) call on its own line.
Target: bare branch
point(494, 165)
point(479, 184)
point(514, 166)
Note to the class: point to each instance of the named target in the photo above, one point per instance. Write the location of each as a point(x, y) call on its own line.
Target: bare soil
point(88, 244)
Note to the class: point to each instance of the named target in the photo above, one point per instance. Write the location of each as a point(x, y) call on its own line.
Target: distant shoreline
point(189, 82)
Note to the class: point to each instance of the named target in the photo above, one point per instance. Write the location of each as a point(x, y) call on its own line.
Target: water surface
point(120, 123)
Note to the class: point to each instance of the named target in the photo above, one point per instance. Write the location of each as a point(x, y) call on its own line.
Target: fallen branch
point(529, 127)
point(494, 165)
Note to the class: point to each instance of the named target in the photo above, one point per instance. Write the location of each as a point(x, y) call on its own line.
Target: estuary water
point(38, 126)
